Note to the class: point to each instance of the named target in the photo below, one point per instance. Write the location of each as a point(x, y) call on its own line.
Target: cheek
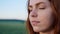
point(30, 18)
point(45, 18)
point(45, 14)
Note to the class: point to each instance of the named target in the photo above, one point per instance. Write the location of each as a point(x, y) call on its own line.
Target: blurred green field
point(12, 27)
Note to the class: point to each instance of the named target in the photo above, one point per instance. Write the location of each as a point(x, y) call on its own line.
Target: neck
point(49, 32)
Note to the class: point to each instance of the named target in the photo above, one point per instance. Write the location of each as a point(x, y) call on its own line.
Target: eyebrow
point(37, 4)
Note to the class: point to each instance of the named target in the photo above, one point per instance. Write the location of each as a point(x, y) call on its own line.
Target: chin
point(37, 29)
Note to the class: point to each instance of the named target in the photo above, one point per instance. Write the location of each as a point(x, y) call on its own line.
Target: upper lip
point(36, 21)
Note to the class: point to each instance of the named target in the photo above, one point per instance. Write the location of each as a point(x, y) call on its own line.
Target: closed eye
point(41, 8)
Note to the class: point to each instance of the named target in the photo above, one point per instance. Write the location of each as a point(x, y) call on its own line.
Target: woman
point(43, 17)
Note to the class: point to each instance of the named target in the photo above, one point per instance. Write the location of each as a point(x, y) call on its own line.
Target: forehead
point(33, 2)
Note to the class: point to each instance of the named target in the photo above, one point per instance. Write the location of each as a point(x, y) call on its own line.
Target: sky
point(13, 9)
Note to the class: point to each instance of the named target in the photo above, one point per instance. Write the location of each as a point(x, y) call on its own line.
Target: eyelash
point(41, 8)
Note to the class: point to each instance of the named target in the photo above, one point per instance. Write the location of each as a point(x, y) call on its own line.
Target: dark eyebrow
point(39, 3)
point(36, 4)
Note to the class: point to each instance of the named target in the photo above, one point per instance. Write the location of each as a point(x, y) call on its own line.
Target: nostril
point(34, 15)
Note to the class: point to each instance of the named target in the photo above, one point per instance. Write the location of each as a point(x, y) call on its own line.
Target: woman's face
point(40, 15)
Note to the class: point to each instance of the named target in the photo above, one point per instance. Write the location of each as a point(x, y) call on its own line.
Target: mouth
point(35, 23)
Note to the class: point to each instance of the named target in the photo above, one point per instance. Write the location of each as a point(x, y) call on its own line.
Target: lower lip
point(35, 23)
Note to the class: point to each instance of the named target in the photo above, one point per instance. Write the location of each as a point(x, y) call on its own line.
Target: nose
point(34, 14)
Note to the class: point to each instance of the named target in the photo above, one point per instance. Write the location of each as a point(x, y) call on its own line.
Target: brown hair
point(55, 6)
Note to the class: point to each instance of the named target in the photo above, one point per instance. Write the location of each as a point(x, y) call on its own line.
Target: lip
point(35, 22)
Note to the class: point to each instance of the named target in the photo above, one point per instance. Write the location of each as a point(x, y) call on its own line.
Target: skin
point(40, 10)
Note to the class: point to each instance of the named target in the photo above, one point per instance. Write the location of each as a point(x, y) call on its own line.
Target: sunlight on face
point(40, 15)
